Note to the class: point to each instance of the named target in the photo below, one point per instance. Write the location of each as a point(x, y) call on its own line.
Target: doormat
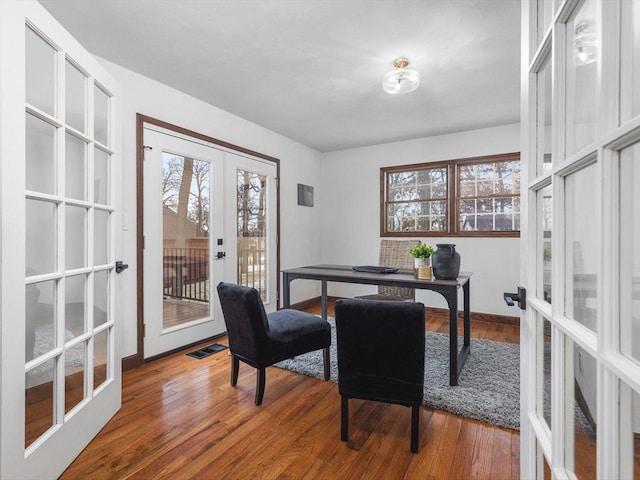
point(206, 351)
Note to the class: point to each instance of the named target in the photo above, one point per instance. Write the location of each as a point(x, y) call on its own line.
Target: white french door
point(580, 360)
point(209, 216)
point(182, 198)
point(60, 347)
point(251, 207)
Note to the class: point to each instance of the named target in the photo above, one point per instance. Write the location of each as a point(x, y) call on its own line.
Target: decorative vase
point(445, 262)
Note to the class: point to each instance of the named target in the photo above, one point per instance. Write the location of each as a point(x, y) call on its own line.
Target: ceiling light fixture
point(401, 79)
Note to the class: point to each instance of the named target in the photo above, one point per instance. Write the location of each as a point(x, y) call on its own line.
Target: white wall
point(351, 213)
point(299, 226)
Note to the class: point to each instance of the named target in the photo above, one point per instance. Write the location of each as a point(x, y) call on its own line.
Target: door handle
point(121, 267)
point(220, 255)
point(520, 297)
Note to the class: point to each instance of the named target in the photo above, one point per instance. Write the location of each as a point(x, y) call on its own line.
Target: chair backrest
point(395, 253)
point(381, 350)
point(245, 318)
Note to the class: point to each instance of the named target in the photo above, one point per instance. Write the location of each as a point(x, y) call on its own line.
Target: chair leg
point(260, 380)
point(235, 367)
point(415, 428)
point(344, 422)
point(326, 360)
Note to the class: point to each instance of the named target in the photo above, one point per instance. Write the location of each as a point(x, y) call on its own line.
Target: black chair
point(261, 340)
point(381, 356)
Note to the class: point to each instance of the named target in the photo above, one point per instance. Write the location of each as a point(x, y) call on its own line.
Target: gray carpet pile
point(489, 384)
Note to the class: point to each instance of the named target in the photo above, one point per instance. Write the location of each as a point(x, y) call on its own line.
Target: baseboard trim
point(130, 362)
point(133, 361)
point(184, 347)
point(310, 303)
point(436, 312)
point(476, 316)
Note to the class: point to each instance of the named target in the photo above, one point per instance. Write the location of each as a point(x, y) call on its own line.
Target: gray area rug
point(489, 384)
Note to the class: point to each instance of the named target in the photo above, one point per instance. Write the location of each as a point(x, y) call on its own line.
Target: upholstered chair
point(260, 340)
point(381, 356)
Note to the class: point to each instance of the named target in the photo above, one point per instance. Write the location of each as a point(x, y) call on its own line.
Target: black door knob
point(520, 297)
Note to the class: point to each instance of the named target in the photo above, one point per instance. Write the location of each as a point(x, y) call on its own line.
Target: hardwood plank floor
point(181, 419)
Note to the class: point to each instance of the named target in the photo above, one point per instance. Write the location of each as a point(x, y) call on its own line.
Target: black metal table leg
point(323, 299)
point(285, 290)
point(467, 320)
point(452, 300)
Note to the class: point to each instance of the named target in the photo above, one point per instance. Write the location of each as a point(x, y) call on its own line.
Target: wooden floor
point(181, 419)
point(176, 312)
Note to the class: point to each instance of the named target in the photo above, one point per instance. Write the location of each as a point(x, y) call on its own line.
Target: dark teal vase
point(445, 262)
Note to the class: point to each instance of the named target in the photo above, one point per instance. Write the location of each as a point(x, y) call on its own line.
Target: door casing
point(142, 120)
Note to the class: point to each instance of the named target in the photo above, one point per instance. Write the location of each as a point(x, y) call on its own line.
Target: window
point(466, 197)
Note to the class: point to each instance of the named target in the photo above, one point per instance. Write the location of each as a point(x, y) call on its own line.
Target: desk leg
point(467, 314)
point(285, 290)
point(452, 300)
point(323, 299)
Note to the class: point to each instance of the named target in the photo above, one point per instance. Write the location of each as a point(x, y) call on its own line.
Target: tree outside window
point(477, 196)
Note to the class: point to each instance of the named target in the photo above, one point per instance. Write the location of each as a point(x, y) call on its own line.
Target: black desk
point(447, 288)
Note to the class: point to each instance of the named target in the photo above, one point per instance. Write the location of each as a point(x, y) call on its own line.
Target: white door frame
point(142, 121)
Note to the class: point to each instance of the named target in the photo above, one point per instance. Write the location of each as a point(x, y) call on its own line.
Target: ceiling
point(311, 69)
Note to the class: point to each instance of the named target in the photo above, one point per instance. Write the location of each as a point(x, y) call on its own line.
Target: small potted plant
point(421, 254)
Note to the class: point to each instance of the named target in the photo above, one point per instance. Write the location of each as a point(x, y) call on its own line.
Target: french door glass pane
point(585, 420)
point(185, 207)
point(75, 306)
point(74, 370)
point(100, 298)
point(101, 116)
point(630, 60)
point(40, 319)
point(100, 237)
point(38, 402)
point(40, 160)
point(76, 170)
point(582, 77)
point(75, 95)
point(40, 237)
point(100, 355)
point(630, 251)
point(545, 13)
point(544, 472)
point(544, 368)
point(545, 228)
point(582, 240)
point(629, 432)
point(252, 231)
point(101, 162)
point(543, 119)
point(76, 242)
point(40, 73)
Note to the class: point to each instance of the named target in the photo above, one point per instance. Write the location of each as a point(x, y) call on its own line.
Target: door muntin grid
point(69, 238)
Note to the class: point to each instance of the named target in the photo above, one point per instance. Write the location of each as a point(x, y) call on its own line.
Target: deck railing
point(251, 268)
point(186, 272)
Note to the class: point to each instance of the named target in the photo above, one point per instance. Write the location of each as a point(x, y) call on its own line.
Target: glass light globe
point(401, 80)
